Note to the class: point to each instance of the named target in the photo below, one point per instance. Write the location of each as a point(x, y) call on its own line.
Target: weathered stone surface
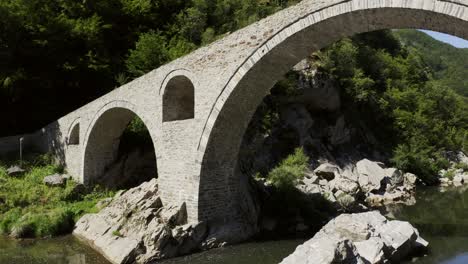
point(327, 171)
point(15, 171)
point(55, 180)
point(371, 175)
point(359, 238)
point(347, 186)
point(137, 227)
point(410, 179)
point(325, 250)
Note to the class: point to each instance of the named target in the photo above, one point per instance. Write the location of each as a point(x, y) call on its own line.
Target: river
point(441, 217)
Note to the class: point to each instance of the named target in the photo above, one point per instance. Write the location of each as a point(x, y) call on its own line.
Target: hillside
point(448, 64)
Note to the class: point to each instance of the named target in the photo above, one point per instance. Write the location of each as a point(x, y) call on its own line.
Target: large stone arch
point(102, 137)
point(222, 134)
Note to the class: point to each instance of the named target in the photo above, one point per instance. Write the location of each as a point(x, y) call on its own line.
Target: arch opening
point(119, 152)
point(221, 149)
point(74, 137)
point(179, 99)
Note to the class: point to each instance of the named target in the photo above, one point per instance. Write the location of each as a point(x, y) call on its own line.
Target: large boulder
point(359, 238)
point(137, 227)
point(371, 175)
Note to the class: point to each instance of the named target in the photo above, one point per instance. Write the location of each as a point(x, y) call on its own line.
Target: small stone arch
point(103, 138)
point(74, 134)
point(178, 99)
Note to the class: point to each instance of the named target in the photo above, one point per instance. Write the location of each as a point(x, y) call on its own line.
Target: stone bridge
point(197, 108)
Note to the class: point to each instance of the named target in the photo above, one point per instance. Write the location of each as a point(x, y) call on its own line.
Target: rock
point(445, 181)
point(399, 237)
point(465, 177)
point(410, 179)
point(395, 176)
point(323, 250)
point(346, 185)
point(327, 171)
point(359, 238)
point(349, 172)
point(15, 171)
point(339, 134)
point(370, 174)
point(318, 92)
point(137, 227)
point(323, 182)
point(103, 203)
point(458, 179)
point(371, 250)
point(55, 180)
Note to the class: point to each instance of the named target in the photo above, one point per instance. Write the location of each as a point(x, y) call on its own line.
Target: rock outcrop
point(137, 227)
point(359, 238)
point(366, 182)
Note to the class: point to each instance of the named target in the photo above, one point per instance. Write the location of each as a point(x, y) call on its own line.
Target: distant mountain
point(449, 64)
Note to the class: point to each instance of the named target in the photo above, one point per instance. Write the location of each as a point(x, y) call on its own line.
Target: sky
point(454, 41)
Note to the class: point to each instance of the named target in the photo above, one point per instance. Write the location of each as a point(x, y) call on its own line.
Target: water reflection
point(64, 250)
point(441, 217)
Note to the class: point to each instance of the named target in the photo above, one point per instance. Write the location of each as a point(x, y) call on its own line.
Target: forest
point(58, 55)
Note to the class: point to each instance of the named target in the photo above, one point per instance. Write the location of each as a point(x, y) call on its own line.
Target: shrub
point(290, 170)
point(29, 208)
point(450, 174)
point(461, 166)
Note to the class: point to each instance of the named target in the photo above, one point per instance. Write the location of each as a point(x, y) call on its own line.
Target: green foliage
point(289, 171)
point(150, 52)
point(447, 63)
point(461, 166)
point(29, 208)
point(450, 174)
point(79, 50)
point(391, 88)
point(116, 233)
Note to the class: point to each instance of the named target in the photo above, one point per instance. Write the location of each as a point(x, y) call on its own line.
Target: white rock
point(370, 175)
point(372, 250)
point(359, 238)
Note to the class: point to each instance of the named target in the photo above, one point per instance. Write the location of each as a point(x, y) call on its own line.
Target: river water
point(441, 217)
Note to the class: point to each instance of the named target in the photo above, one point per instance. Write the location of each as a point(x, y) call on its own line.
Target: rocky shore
point(365, 238)
point(137, 227)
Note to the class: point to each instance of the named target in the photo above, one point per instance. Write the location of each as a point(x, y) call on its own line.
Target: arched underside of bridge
point(222, 136)
point(102, 142)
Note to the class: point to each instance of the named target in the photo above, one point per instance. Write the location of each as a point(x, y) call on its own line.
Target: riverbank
point(29, 208)
point(438, 215)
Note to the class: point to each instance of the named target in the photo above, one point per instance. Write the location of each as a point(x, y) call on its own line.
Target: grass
point(29, 208)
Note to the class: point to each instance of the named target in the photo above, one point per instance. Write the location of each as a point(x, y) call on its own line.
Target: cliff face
point(310, 113)
point(346, 170)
